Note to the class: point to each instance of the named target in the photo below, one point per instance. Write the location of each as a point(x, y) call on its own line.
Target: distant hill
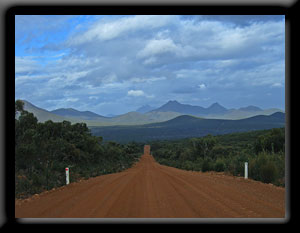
point(70, 112)
point(42, 114)
point(136, 118)
point(278, 115)
point(242, 113)
point(250, 109)
point(145, 108)
point(131, 118)
point(93, 119)
point(188, 126)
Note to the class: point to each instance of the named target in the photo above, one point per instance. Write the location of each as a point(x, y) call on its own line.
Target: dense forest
point(264, 150)
point(44, 150)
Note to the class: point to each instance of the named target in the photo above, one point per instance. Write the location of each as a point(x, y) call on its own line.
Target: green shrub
point(263, 168)
point(188, 165)
point(219, 166)
point(206, 165)
point(268, 172)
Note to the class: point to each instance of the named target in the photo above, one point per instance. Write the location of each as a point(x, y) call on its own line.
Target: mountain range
point(147, 114)
point(170, 121)
point(174, 106)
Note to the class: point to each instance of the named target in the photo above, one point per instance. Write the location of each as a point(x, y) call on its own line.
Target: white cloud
point(109, 30)
point(110, 78)
point(199, 74)
point(276, 85)
point(150, 96)
point(146, 80)
point(25, 64)
point(154, 47)
point(74, 76)
point(93, 97)
point(72, 99)
point(31, 78)
point(136, 93)
point(215, 39)
point(202, 86)
point(150, 61)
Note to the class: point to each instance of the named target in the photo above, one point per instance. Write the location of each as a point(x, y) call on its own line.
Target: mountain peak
point(216, 108)
point(173, 102)
point(216, 104)
point(279, 115)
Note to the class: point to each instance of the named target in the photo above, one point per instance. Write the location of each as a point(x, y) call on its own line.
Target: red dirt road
point(150, 190)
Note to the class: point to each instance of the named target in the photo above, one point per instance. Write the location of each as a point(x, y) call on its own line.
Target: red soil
point(151, 190)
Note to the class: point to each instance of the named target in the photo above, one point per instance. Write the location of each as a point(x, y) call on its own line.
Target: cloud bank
point(115, 64)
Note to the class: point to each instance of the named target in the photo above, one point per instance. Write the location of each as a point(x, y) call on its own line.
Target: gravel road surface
point(151, 190)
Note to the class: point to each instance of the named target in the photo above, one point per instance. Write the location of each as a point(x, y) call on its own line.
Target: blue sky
point(116, 64)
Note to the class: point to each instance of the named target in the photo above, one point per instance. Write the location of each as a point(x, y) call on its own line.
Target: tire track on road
point(232, 198)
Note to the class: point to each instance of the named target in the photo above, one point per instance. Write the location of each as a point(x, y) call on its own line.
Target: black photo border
point(130, 9)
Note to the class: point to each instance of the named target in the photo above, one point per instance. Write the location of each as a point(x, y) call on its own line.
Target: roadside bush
point(255, 164)
point(188, 165)
point(262, 149)
point(263, 168)
point(198, 164)
point(273, 141)
point(23, 186)
point(221, 151)
point(268, 172)
point(219, 166)
point(237, 164)
point(207, 165)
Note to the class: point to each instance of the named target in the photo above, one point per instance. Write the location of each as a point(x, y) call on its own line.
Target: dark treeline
point(44, 150)
point(263, 150)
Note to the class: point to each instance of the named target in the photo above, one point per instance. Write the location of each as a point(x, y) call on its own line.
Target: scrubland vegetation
point(44, 150)
point(264, 150)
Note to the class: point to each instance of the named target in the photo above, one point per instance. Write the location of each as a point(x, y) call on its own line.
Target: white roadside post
point(67, 176)
point(246, 170)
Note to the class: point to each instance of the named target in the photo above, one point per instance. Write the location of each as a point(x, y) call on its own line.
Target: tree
point(206, 165)
point(219, 166)
point(268, 172)
point(26, 121)
point(273, 141)
point(19, 106)
point(203, 146)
